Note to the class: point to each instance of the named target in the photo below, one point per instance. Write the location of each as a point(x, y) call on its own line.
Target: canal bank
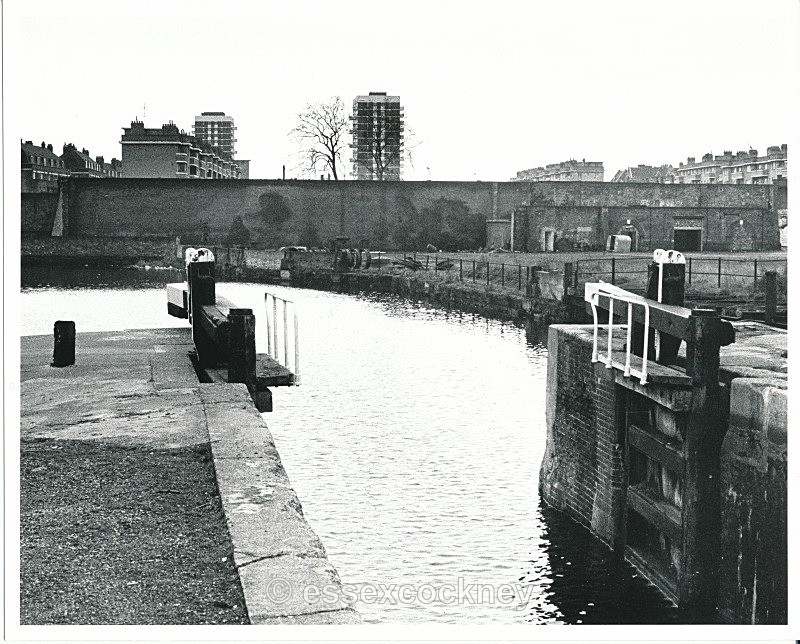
point(150, 498)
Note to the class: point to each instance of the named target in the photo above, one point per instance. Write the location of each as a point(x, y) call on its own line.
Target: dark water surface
point(414, 444)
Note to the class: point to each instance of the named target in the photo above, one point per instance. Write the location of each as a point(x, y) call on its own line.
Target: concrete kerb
point(277, 554)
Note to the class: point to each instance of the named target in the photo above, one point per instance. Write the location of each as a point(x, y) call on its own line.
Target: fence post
point(435, 266)
point(502, 274)
point(755, 275)
point(771, 296)
point(427, 259)
point(473, 271)
point(690, 271)
point(460, 270)
point(613, 270)
point(567, 276)
point(519, 277)
point(242, 338)
point(63, 344)
point(719, 272)
point(488, 270)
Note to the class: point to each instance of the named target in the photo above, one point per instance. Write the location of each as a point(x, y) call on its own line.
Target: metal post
point(502, 274)
point(275, 326)
point(719, 272)
point(473, 270)
point(435, 266)
point(296, 347)
point(755, 275)
point(460, 270)
point(488, 266)
point(519, 277)
point(770, 296)
point(285, 336)
point(613, 270)
point(269, 332)
point(690, 270)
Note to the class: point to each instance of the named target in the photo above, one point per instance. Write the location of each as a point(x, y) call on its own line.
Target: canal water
point(414, 444)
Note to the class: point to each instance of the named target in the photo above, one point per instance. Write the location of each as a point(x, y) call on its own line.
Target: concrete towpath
point(150, 498)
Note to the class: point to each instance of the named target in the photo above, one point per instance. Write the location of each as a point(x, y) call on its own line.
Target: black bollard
point(63, 344)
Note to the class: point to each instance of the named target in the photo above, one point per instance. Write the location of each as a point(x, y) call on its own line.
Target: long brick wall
point(276, 213)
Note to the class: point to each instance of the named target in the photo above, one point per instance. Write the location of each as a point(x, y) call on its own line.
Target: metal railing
point(592, 293)
point(278, 328)
point(701, 271)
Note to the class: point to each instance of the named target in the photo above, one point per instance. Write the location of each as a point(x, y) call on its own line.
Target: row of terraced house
point(41, 167)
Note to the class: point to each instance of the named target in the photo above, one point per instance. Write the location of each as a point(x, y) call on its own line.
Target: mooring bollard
point(63, 344)
point(242, 339)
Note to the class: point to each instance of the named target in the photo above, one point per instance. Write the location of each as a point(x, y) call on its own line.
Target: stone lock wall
point(582, 471)
point(753, 485)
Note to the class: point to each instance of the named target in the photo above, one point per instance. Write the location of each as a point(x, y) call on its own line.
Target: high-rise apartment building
point(377, 129)
point(216, 130)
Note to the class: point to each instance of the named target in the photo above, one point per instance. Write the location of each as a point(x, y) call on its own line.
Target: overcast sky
point(489, 88)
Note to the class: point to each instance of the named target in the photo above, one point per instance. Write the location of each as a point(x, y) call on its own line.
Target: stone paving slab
point(138, 390)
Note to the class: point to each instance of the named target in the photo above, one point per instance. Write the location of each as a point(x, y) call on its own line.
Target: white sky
point(489, 88)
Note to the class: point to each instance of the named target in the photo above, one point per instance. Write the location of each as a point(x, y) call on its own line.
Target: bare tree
point(321, 131)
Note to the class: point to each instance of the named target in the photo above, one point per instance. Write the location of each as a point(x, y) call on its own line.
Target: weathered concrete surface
point(753, 485)
point(760, 351)
point(281, 562)
point(137, 390)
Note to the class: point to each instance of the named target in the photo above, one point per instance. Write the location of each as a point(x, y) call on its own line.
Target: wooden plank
point(270, 373)
point(664, 516)
point(667, 318)
point(658, 447)
point(654, 571)
point(177, 300)
point(216, 326)
point(676, 398)
point(656, 373)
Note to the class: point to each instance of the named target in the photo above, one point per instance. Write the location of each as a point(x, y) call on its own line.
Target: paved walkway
point(149, 498)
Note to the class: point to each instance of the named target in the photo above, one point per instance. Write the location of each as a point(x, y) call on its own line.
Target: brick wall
point(582, 471)
point(278, 213)
point(77, 250)
point(38, 212)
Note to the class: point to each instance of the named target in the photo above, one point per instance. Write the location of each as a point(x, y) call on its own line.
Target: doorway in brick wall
point(687, 239)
